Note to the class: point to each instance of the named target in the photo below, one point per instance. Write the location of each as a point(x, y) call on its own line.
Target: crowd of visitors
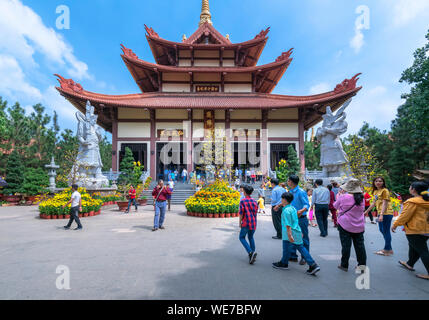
point(293, 210)
point(348, 205)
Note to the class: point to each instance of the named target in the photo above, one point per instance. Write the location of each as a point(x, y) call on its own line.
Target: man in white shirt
point(76, 206)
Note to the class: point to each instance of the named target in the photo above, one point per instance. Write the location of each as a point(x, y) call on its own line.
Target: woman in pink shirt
point(351, 222)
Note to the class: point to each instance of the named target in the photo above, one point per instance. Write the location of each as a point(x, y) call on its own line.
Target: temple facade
point(206, 83)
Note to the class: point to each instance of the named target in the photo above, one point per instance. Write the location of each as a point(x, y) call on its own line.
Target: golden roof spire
point(205, 13)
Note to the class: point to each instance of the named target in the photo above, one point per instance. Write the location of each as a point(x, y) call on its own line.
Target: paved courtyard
point(117, 256)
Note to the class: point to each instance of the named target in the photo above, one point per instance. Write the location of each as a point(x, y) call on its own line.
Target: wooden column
point(301, 139)
point(152, 148)
point(190, 147)
point(264, 143)
point(228, 138)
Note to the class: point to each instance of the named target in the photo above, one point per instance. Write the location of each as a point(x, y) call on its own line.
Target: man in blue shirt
point(276, 209)
point(301, 204)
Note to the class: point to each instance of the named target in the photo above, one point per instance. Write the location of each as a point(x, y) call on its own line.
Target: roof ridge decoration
point(205, 16)
point(128, 52)
point(347, 84)
point(69, 84)
point(207, 29)
point(263, 33)
point(151, 32)
point(285, 55)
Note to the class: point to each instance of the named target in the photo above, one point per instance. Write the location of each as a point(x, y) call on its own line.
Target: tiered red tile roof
point(166, 53)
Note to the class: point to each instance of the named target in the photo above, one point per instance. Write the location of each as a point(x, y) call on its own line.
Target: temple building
point(206, 82)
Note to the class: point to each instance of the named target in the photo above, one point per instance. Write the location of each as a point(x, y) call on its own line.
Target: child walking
point(311, 211)
point(248, 213)
point(292, 237)
point(261, 205)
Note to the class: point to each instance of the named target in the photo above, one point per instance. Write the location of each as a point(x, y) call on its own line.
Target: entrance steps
point(182, 192)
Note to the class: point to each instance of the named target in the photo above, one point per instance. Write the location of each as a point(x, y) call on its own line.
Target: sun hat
point(352, 186)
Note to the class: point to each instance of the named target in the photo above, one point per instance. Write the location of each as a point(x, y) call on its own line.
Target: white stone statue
point(87, 168)
point(333, 159)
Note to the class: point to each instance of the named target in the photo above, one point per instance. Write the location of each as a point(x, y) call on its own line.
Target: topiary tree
point(36, 182)
point(14, 173)
point(293, 161)
point(127, 166)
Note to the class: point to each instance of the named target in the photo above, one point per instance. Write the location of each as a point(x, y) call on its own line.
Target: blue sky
point(328, 46)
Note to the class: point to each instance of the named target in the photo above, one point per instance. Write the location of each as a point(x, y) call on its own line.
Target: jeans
point(303, 224)
point(277, 221)
point(131, 201)
point(289, 247)
point(418, 248)
point(322, 213)
point(74, 215)
point(250, 247)
point(384, 227)
point(346, 239)
point(160, 207)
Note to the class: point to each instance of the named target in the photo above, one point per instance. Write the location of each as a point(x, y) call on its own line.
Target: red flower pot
point(98, 212)
point(61, 216)
point(91, 213)
point(86, 214)
point(227, 215)
point(205, 215)
point(201, 215)
point(222, 215)
point(67, 216)
point(211, 215)
point(80, 215)
point(216, 215)
point(48, 216)
point(122, 205)
point(54, 216)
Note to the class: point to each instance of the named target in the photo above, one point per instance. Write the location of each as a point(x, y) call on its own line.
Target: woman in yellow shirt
point(415, 219)
point(385, 213)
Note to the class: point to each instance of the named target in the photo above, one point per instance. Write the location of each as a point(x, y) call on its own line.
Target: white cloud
point(377, 106)
point(378, 90)
point(320, 88)
point(358, 40)
point(12, 80)
point(405, 11)
point(23, 33)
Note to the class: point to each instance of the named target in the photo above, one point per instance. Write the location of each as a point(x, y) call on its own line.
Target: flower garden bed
point(217, 200)
point(53, 208)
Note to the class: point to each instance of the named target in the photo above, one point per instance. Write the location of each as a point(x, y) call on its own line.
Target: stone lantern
point(52, 174)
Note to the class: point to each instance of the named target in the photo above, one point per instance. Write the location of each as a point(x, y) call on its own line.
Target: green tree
point(293, 161)
point(35, 182)
point(127, 166)
point(106, 154)
point(312, 155)
point(410, 129)
point(14, 173)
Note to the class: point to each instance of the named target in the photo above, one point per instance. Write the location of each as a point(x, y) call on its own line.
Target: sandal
point(381, 253)
point(406, 266)
point(422, 276)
